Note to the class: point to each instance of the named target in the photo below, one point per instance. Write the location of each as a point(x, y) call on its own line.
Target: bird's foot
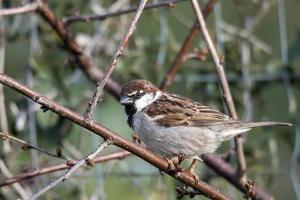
point(136, 138)
point(174, 163)
point(191, 171)
point(194, 175)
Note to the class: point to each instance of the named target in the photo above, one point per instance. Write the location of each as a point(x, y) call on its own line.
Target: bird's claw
point(173, 164)
point(136, 139)
point(194, 175)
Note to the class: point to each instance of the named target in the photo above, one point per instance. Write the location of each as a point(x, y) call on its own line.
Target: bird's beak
point(126, 100)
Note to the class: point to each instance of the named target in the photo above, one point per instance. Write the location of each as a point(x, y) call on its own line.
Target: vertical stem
point(224, 86)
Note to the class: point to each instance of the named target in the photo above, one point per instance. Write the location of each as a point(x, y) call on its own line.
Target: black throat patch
point(130, 111)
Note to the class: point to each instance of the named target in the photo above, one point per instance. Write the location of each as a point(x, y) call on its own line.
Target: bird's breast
point(170, 141)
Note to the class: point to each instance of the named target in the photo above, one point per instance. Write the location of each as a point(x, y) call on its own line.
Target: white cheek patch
point(145, 101)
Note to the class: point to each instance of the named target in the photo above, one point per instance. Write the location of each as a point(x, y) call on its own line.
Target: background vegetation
point(265, 87)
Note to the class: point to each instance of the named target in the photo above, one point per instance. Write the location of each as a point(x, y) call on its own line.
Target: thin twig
point(145, 154)
point(109, 69)
point(54, 168)
point(179, 58)
point(77, 165)
point(87, 18)
point(224, 86)
point(24, 9)
point(27, 146)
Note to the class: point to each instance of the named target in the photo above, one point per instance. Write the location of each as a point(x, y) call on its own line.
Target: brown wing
point(174, 110)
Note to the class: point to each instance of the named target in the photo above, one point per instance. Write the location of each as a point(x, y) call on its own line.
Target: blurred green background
point(263, 76)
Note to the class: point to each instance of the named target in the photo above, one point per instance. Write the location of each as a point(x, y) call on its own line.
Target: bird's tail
point(237, 128)
point(258, 124)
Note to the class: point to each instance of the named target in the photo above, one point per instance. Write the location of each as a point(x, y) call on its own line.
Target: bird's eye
point(140, 94)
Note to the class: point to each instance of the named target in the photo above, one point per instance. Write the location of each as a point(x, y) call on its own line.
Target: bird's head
point(139, 93)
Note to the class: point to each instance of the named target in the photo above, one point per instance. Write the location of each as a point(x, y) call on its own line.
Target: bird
point(176, 127)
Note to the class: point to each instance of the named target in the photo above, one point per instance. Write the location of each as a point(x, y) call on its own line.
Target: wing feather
point(174, 110)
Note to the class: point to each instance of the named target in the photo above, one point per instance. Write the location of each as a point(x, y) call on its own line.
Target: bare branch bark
point(20, 10)
point(224, 86)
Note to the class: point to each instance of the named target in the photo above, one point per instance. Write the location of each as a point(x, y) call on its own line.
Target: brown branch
point(109, 69)
point(87, 18)
point(15, 11)
point(224, 86)
point(54, 168)
point(179, 59)
point(116, 139)
point(84, 62)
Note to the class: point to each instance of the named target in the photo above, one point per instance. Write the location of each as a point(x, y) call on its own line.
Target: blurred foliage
point(159, 34)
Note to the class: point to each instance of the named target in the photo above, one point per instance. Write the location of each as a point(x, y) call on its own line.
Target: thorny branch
point(87, 18)
point(100, 85)
point(224, 86)
point(116, 139)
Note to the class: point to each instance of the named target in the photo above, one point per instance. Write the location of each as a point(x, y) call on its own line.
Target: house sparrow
point(172, 125)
